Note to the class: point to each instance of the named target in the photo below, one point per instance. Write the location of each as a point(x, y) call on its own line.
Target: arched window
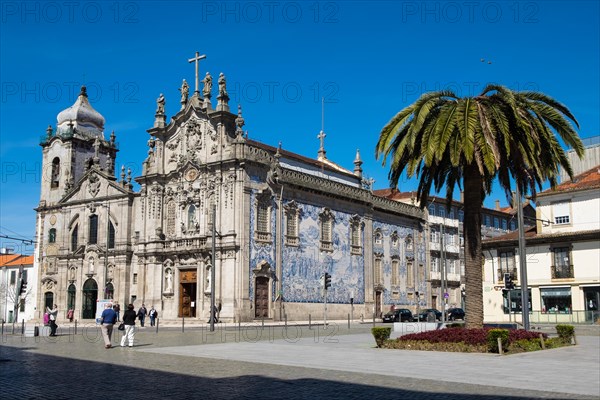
point(74, 234)
point(52, 235)
point(326, 218)
point(93, 233)
point(395, 272)
point(55, 177)
point(111, 235)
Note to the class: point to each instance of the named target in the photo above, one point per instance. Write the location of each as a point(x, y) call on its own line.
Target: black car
point(424, 315)
point(398, 315)
point(455, 313)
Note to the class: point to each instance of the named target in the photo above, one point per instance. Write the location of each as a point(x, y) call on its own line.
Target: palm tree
point(445, 140)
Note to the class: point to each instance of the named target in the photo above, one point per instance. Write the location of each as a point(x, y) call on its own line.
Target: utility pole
point(522, 263)
point(212, 269)
point(443, 272)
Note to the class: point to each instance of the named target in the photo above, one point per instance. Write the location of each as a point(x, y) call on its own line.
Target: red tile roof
point(6, 258)
point(589, 179)
point(12, 260)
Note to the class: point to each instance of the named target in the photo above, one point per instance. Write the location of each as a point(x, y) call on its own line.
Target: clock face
point(191, 174)
point(52, 219)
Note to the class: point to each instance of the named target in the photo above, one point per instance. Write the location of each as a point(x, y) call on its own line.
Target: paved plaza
point(251, 361)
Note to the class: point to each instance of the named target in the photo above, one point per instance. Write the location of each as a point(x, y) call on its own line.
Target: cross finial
point(196, 60)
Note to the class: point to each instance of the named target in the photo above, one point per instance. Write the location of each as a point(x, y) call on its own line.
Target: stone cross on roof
point(196, 60)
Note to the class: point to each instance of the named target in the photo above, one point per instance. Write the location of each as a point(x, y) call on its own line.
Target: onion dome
point(82, 115)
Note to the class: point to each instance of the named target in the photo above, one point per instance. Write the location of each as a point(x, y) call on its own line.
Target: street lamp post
point(522, 263)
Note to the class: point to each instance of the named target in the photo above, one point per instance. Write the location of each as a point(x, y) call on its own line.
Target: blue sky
point(367, 60)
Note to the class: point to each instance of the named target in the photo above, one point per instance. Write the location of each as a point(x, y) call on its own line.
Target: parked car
point(398, 315)
point(455, 313)
point(424, 315)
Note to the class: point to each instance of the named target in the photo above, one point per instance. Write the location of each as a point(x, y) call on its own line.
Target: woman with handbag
point(129, 317)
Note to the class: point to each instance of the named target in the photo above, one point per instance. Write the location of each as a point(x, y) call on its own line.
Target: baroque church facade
point(270, 222)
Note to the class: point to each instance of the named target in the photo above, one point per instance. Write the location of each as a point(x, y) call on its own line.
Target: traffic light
point(327, 281)
point(23, 288)
point(508, 282)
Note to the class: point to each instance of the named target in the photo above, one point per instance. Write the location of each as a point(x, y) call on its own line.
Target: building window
point(432, 210)
point(506, 265)
point(410, 275)
point(13, 277)
point(562, 267)
point(556, 300)
point(355, 233)
point(504, 225)
point(561, 213)
point(55, 177)
point(263, 220)
point(409, 243)
point(487, 220)
point(93, 233)
point(513, 225)
point(395, 272)
point(292, 215)
point(134, 279)
point(191, 217)
point(171, 210)
point(111, 235)
point(434, 235)
point(395, 240)
point(74, 238)
point(461, 215)
point(442, 212)
point(326, 220)
point(496, 223)
point(451, 214)
point(435, 264)
point(514, 306)
point(378, 237)
point(377, 271)
point(52, 235)
point(451, 266)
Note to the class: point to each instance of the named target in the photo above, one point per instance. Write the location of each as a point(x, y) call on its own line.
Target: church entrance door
point(261, 298)
point(90, 297)
point(187, 293)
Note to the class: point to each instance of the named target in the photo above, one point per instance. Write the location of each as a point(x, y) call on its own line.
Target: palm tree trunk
point(473, 203)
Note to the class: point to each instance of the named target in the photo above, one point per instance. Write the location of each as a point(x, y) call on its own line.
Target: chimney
point(498, 205)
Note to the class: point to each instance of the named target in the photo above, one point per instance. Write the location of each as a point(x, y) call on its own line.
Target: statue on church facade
point(160, 104)
point(222, 85)
point(207, 86)
point(185, 90)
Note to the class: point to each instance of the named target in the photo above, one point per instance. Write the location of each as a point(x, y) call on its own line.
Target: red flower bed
point(467, 336)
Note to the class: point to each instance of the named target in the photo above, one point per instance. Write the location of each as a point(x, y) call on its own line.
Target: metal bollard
point(309, 323)
point(182, 324)
point(22, 326)
point(157, 321)
point(285, 317)
point(75, 327)
point(348, 321)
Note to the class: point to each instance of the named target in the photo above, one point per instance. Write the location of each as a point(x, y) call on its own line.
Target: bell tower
point(72, 147)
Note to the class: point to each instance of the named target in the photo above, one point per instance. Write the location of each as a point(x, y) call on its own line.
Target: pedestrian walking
point(117, 309)
point(142, 314)
point(129, 317)
point(152, 313)
point(52, 314)
point(107, 320)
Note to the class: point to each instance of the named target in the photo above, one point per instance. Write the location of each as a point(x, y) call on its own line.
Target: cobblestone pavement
point(269, 363)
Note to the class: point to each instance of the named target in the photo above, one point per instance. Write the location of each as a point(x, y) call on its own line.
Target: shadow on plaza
point(31, 375)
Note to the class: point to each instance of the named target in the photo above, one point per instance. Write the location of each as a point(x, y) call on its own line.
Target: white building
point(563, 258)
point(17, 288)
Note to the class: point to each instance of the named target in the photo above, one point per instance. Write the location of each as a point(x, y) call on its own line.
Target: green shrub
point(381, 334)
point(455, 325)
point(492, 339)
point(523, 345)
point(554, 342)
point(565, 332)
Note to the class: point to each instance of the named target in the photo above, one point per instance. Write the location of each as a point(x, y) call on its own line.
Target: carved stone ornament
point(93, 184)
point(52, 219)
point(191, 174)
